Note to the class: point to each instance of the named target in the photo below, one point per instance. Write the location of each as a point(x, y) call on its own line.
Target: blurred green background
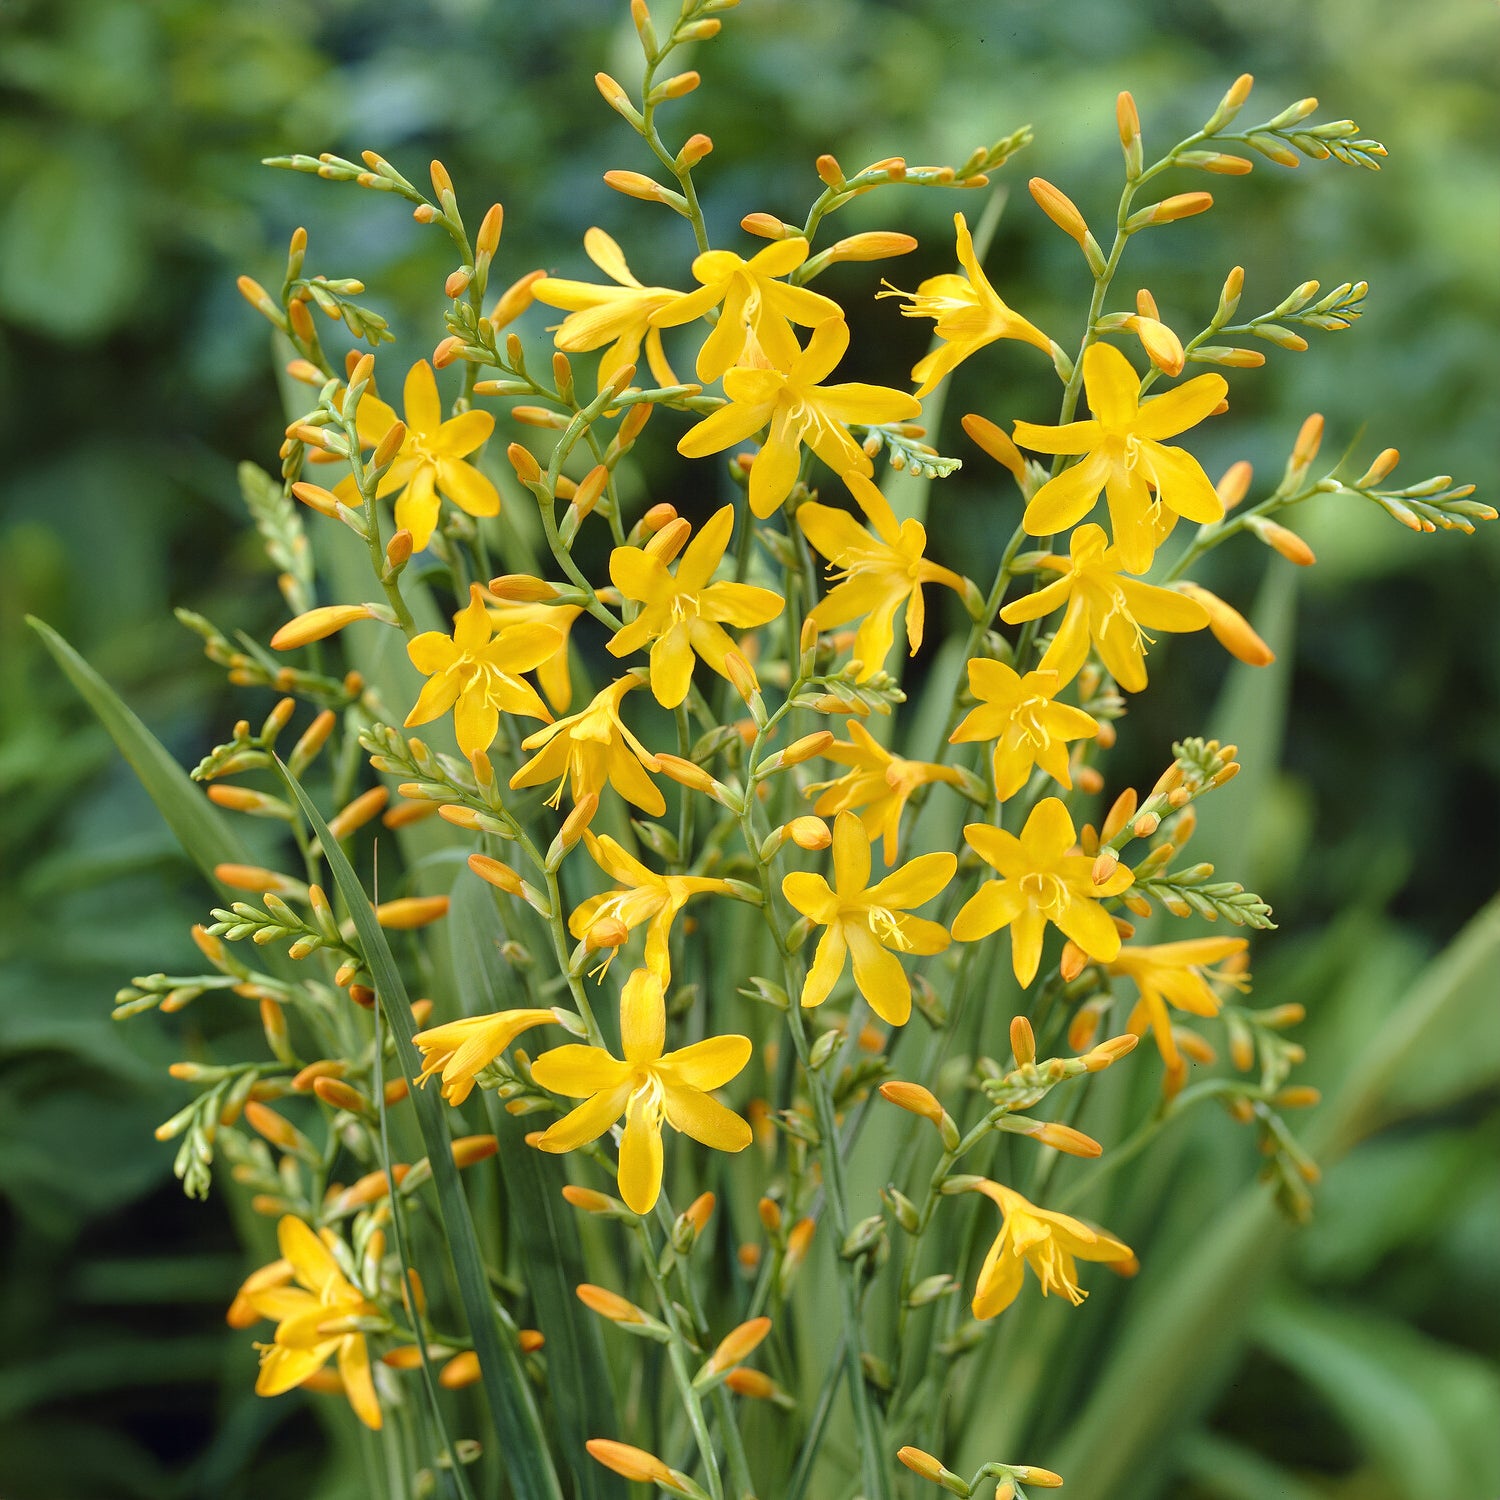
point(133, 378)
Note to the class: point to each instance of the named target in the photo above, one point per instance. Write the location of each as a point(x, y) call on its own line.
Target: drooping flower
point(324, 1297)
point(590, 748)
point(877, 571)
point(1124, 455)
point(1042, 881)
point(1028, 728)
point(647, 897)
point(683, 613)
point(553, 673)
point(969, 314)
point(647, 1086)
point(1172, 974)
point(757, 305)
point(799, 410)
point(1105, 608)
point(866, 922)
point(877, 786)
point(460, 1049)
point(476, 673)
point(1050, 1243)
point(620, 316)
point(430, 461)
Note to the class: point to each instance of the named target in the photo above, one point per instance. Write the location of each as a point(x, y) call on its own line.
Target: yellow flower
point(460, 1049)
point(757, 306)
point(1042, 881)
point(590, 748)
point(1049, 1242)
point(646, 1086)
point(1028, 728)
point(1172, 974)
point(479, 674)
point(322, 1300)
point(864, 922)
point(620, 316)
point(1125, 457)
point(684, 613)
point(553, 673)
point(877, 786)
point(881, 571)
point(799, 411)
point(1103, 607)
point(431, 457)
point(969, 315)
point(647, 897)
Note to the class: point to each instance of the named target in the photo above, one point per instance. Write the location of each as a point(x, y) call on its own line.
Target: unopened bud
point(468, 1150)
point(1235, 484)
point(996, 443)
point(874, 244)
point(411, 911)
point(931, 1468)
point(528, 470)
point(1059, 208)
point(1022, 1041)
point(1286, 542)
point(1385, 461)
point(1169, 210)
point(810, 833)
point(637, 185)
point(318, 624)
point(389, 445)
point(829, 170)
point(735, 1348)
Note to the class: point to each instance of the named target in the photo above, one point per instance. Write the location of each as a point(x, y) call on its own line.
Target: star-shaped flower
point(460, 1049)
point(1172, 974)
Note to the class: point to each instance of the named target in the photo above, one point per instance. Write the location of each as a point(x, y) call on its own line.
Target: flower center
point(886, 926)
point(1045, 891)
point(1028, 721)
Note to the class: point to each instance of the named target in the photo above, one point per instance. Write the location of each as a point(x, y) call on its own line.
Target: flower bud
point(734, 1349)
point(1022, 1041)
point(318, 624)
point(996, 443)
point(409, 912)
point(1059, 208)
point(1230, 628)
point(931, 1468)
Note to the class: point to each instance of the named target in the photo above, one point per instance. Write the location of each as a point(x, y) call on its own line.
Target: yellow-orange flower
point(647, 897)
point(1028, 728)
point(478, 677)
point(1171, 974)
point(799, 411)
point(1105, 608)
point(1042, 880)
point(969, 314)
point(322, 1300)
point(683, 613)
point(591, 748)
point(865, 922)
point(460, 1049)
point(758, 309)
point(620, 316)
point(878, 571)
point(1125, 457)
point(877, 786)
point(646, 1087)
point(1050, 1243)
point(430, 461)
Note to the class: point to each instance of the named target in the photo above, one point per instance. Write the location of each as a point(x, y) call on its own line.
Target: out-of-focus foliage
point(133, 378)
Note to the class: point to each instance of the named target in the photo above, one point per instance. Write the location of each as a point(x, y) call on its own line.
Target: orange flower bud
point(1059, 208)
point(340, 1095)
point(1385, 461)
point(736, 1347)
point(996, 443)
point(1235, 484)
point(829, 170)
point(528, 470)
point(767, 227)
point(874, 244)
point(461, 1370)
point(610, 1304)
point(317, 624)
point(810, 833)
point(487, 241)
point(471, 1149)
point(1231, 629)
point(1286, 542)
point(752, 1383)
point(633, 1463)
point(359, 812)
point(636, 185)
point(411, 911)
point(1022, 1041)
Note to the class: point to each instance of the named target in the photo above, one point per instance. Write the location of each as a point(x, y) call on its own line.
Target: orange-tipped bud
point(468, 1150)
point(768, 227)
point(317, 624)
point(810, 833)
point(487, 241)
point(873, 244)
point(830, 171)
point(1230, 628)
point(1073, 961)
point(523, 461)
point(1059, 208)
point(700, 1211)
point(521, 588)
point(1043, 1479)
point(1286, 542)
point(805, 749)
point(752, 1383)
point(996, 443)
point(1105, 865)
point(1385, 461)
point(606, 932)
point(634, 1463)
point(611, 1305)
point(614, 95)
point(1309, 440)
point(799, 1240)
point(389, 445)
point(1235, 484)
point(742, 676)
point(923, 1463)
point(539, 416)
point(1127, 118)
point(366, 806)
point(686, 773)
point(677, 85)
point(274, 1127)
point(530, 1340)
point(735, 1348)
point(340, 1095)
point(590, 1201)
point(1169, 210)
point(461, 1370)
point(769, 1211)
point(1111, 1051)
point(669, 539)
point(498, 874)
point(636, 185)
point(315, 497)
point(259, 298)
point(1297, 1096)
point(254, 878)
point(1022, 1041)
point(1065, 1139)
point(590, 487)
point(411, 911)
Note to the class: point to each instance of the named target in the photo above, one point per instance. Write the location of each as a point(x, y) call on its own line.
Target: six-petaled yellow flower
point(1123, 455)
point(1105, 608)
point(1172, 974)
point(866, 922)
point(877, 786)
point(553, 674)
point(969, 314)
point(591, 748)
point(1042, 880)
point(646, 897)
point(685, 612)
point(460, 1049)
point(649, 1085)
point(877, 571)
point(800, 411)
point(1028, 728)
point(758, 308)
point(477, 676)
point(308, 1320)
point(1050, 1243)
point(620, 316)
point(431, 459)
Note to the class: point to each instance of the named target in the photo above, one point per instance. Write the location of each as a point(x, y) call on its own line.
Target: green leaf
point(538, 1220)
point(1427, 1414)
point(513, 1411)
point(204, 833)
point(1230, 1472)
